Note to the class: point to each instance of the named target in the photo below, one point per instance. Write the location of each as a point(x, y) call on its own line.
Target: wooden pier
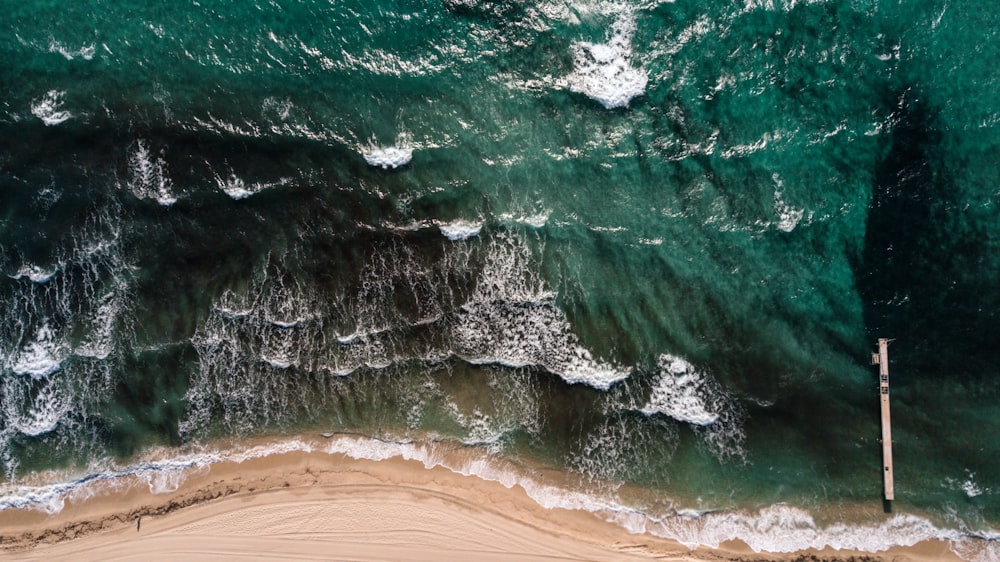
point(882, 360)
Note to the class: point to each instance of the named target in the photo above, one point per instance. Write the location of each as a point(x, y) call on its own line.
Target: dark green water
point(651, 244)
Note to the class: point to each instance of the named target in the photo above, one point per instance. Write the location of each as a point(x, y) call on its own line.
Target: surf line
point(882, 360)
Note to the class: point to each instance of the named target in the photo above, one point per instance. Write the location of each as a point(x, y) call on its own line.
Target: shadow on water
point(928, 280)
point(920, 278)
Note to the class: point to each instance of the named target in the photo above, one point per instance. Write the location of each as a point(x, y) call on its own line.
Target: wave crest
point(604, 72)
point(389, 156)
point(49, 108)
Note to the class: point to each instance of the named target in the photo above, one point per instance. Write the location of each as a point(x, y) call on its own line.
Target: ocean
point(646, 246)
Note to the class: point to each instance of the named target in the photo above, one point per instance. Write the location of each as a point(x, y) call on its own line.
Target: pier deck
point(882, 360)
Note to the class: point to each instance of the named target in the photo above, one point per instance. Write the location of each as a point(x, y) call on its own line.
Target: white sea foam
point(277, 362)
point(770, 5)
point(512, 320)
point(99, 341)
point(777, 529)
point(158, 473)
point(514, 406)
point(619, 449)
point(49, 108)
point(484, 466)
point(603, 71)
point(483, 432)
point(349, 339)
point(47, 408)
point(149, 177)
point(228, 307)
point(41, 356)
point(412, 226)
point(968, 485)
point(386, 157)
point(35, 273)
point(389, 156)
point(380, 61)
point(537, 220)
point(237, 188)
point(460, 229)
point(76, 314)
point(85, 52)
point(248, 336)
point(687, 394)
point(288, 323)
point(234, 187)
point(680, 393)
point(788, 218)
point(781, 528)
point(159, 476)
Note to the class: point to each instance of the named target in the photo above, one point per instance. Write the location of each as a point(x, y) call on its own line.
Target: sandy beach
point(318, 506)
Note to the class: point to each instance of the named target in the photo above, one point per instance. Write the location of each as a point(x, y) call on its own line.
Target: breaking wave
point(681, 393)
point(511, 319)
point(772, 529)
point(238, 188)
point(42, 355)
point(85, 52)
point(61, 345)
point(149, 177)
point(49, 108)
point(402, 311)
point(460, 229)
point(692, 396)
point(35, 273)
point(604, 71)
point(389, 156)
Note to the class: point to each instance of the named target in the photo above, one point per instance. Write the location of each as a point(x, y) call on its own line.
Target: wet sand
point(320, 506)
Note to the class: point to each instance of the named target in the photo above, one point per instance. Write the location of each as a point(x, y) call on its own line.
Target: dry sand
point(317, 506)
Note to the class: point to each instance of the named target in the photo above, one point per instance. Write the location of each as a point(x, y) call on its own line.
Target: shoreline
point(309, 482)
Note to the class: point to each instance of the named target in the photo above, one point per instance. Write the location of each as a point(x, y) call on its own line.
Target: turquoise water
point(650, 244)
